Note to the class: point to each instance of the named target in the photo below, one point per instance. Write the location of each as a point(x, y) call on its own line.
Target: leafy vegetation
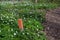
point(31, 15)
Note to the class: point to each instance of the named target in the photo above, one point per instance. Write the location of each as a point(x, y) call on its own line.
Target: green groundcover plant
point(32, 19)
point(32, 31)
point(9, 28)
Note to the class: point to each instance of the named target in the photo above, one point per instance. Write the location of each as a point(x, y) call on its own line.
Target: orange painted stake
point(20, 24)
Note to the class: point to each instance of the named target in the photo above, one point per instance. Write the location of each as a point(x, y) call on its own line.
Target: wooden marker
point(20, 24)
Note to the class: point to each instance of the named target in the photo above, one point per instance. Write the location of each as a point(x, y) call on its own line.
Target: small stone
point(48, 28)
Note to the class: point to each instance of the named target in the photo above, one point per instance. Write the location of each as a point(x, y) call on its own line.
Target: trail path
point(52, 24)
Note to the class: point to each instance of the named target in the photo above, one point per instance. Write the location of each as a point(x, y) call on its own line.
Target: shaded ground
point(52, 24)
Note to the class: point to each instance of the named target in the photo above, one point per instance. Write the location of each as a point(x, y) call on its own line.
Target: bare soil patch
point(52, 24)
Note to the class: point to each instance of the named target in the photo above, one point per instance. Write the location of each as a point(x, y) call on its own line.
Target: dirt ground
point(52, 24)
